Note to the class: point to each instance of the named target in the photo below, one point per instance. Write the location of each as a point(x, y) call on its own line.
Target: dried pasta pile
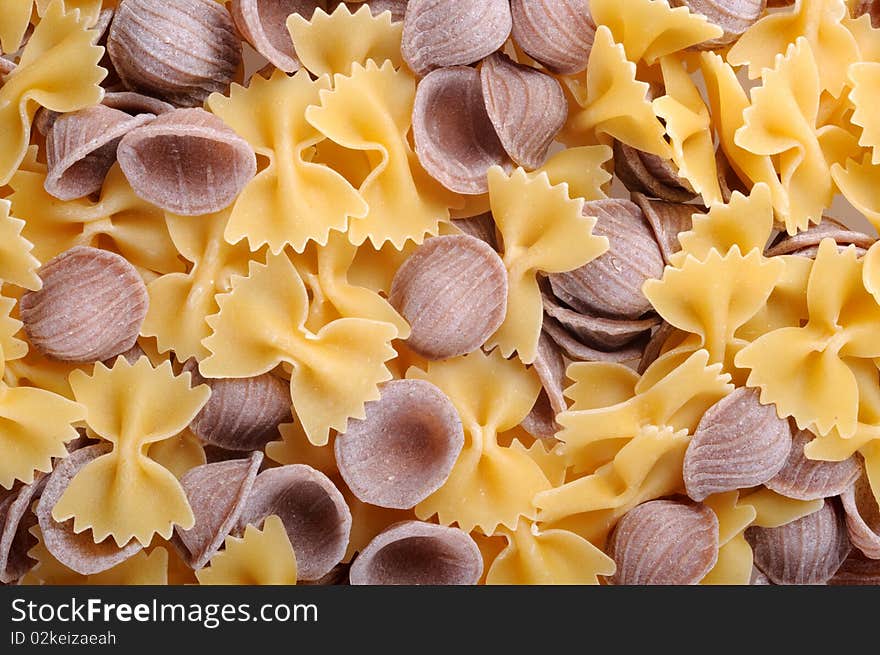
point(449, 292)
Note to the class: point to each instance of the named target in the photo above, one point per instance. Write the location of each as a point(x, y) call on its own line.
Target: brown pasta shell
point(181, 51)
point(857, 570)
point(455, 141)
point(417, 553)
point(264, 24)
point(806, 243)
point(557, 33)
point(654, 347)
point(217, 493)
point(16, 520)
point(313, 511)
point(738, 443)
point(78, 552)
point(667, 221)
point(540, 422)
point(806, 551)
point(453, 292)
point(664, 542)
point(527, 108)
point(549, 364)
point(89, 309)
point(439, 33)
point(862, 517)
point(338, 575)
point(136, 103)
point(481, 227)
point(611, 285)
point(81, 148)
point(217, 163)
point(807, 479)
point(404, 448)
point(580, 350)
point(242, 413)
point(642, 172)
point(6, 67)
point(758, 578)
point(732, 16)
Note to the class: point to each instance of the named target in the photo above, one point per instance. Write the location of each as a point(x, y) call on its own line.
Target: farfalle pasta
point(439, 292)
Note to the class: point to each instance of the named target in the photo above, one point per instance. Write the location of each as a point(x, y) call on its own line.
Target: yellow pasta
point(180, 302)
point(859, 182)
point(582, 169)
point(597, 426)
point(133, 226)
point(131, 406)
point(58, 70)
point(866, 37)
point(650, 29)
point(260, 557)
point(371, 110)
point(490, 484)
point(292, 201)
point(734, 565)
point(335, 371)
point(612, 102)
point(689, 129)
point(534, 556)
point(328, 44)
point(712, 299)
point(818, 21)
point(805, 370)
point(14, 21)
point(865, 78)
point(178, 454)
point(647, 467)
point(17, 264)
point(538, 223)
point(772, 509)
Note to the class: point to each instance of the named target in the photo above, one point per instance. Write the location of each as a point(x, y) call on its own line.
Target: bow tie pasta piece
point(324, 270)
point(859, 182)
point(547, 557)
point(714, 298)
point(131, 406)
point(611, 405)
point(490, 484)
point(781, 122)
point(582, 168)
point(727, 102)
point(334, 371)
point(260, 557)
point(36, 423)
point(180, 302)
point(865, 79)
point(538, 223)
point(14, 21)
point(650, 29)
point(328, 44)
point(371, 110)
point(612, 102)
point(647, 467)
point(294, 200)
point(58, 70)
point(17, 265)
point(734, 564)
point(136, 228)
point(689, 129)
point(819, 21)
point(805, 370)
point(745, 222)
point(88, 9)
point(865, 35)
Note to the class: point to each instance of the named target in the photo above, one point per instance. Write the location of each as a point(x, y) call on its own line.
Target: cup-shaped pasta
point(16, 519)
point(81, 148)
point(218, 163)
point(455, 139)
point(217, 493)
point(135, 103)
point(242, 413)
point(191, 50)
point(732, 16)
point(90, 307)
point(79, 551)
point(58, 70)
point(557, 33)
point(453, 292)
point(404, 448)
point(862, 517)
point(417, 553)
point(264, 24)
point(130, 405)
point(807, 479)
point(328, 44)
point(314, 513)
point(479, 29)
point(334, 371)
